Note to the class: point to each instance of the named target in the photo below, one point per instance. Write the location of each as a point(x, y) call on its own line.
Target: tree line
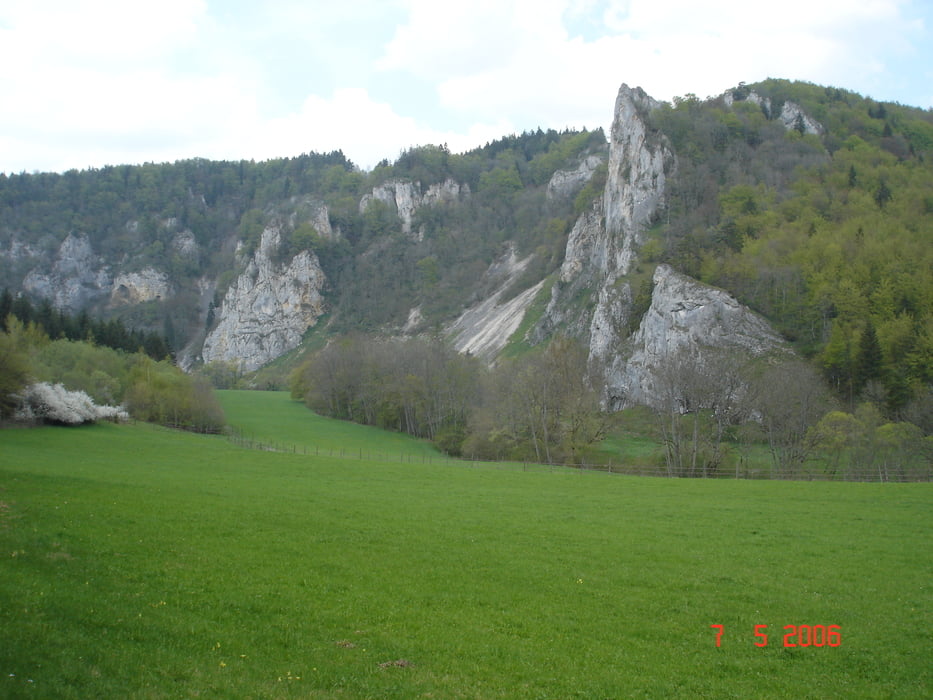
point(536, 407)
point(712, 410)
point(149, 389)
point(57, 324)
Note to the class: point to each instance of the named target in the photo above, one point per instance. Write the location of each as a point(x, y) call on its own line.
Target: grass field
point(144, 563)
point(272, 418)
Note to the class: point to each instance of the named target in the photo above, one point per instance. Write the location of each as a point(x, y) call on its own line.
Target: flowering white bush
point(55, 404)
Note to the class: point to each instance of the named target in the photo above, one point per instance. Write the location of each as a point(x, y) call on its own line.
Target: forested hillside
point(829, 235)
point(811, 205)
point(186, 219)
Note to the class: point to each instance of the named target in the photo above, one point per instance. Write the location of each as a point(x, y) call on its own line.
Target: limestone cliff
point(592, 297)
point(137, 287)
point(406, 198)
point(76, 278)
point(267, 310)
point(792, 115)
point(315, 212)
point(565, 184)
point(604, 241)
point(684, 315)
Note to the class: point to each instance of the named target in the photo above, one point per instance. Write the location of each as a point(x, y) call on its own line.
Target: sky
point(89, 83)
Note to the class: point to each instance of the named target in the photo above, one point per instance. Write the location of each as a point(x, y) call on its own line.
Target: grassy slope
point(272, 417)
point(139, 562)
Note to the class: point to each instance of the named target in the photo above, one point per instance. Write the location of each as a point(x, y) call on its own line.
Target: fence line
point(879, 474)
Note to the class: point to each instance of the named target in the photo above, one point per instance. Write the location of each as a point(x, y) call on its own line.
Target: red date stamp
point(795, 635)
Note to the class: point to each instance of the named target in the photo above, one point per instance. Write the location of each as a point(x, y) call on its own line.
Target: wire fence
point(876, 473)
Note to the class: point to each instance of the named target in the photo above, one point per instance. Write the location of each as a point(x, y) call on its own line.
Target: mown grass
point(139, 562)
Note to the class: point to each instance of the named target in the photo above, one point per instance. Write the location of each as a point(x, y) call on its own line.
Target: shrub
point(53, 403)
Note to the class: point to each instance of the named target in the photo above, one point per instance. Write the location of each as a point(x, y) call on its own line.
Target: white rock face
point(406, 197)
point(603, 243)
point(447, 191)
point(565, 184)
point(136, 287)
point(604, 240)
point(485, 328)
point(684, 314)
point(267, 310)
point(587, 246)
point(637, 182)
point(764, 102)
point(77, 276)
point(315, 212)
point(20, 250)
point(185, 244)
point(792, 115)
point(414, 320)
point(601, 251)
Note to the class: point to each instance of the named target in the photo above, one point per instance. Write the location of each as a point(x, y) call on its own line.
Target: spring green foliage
point(152, 391)
point(830, 237)
point(159, 392)
point(827, 235)
point(384, 273)
point(139, 562)
point(14, 373)
point(135, 213)
point(864, 441)
point(57, 323)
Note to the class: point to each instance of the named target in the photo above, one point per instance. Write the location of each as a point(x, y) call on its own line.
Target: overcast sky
point(87, 83)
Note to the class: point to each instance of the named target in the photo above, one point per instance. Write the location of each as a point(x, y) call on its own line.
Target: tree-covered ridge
point(827, 234)
point(203, 195)
point(830, 236)
point(133, 216)
point(382, 274)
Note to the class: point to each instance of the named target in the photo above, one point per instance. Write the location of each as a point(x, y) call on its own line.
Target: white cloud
point(529, 68)
point(364, 129)
point(109, 81)
point(104, 32)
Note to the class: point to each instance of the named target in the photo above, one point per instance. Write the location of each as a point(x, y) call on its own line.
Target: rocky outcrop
point(406, 198)
point(185, 245)
point(20, 250)
point(638, 165)
point(592, 297)
point(733, 96)
point(793, 117)
point(565, 184)
point(315, 212)
point(77, 276)
point(684, 315)
point(268, 308)
point(138, 287)
point(603, 243)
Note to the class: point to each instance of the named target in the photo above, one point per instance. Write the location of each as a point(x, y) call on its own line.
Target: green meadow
point(139, 562)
